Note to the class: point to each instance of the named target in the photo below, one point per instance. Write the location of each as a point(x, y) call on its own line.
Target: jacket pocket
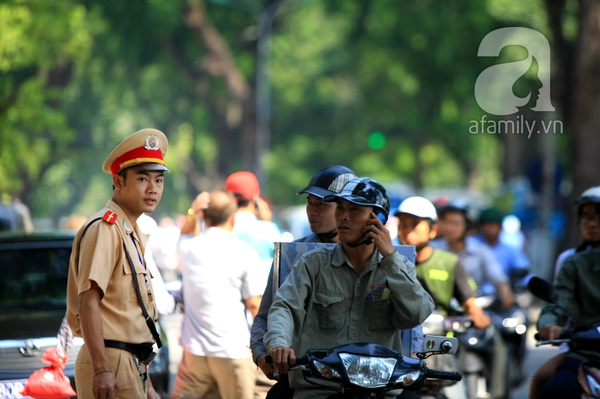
point(380, 314)
point(329, 311)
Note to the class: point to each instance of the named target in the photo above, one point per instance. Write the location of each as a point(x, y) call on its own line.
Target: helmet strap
point(364, 242)
point(327, 236)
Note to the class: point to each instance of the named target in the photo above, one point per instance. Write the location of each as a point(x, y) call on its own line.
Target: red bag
point(50, 382)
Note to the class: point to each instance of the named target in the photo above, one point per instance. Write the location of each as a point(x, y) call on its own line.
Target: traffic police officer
point(109, 294)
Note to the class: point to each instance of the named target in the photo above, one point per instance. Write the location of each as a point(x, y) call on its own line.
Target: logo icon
point(494, 85)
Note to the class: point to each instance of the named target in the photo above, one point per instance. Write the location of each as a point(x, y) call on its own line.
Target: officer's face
point(139, 191)
point(321, 215)
point(351, 220)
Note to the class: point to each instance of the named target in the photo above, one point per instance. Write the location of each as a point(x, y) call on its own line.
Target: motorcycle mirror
point(437, 344)
point(541, 289)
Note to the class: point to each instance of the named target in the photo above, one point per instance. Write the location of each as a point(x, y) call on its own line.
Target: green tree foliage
point(76, 77)
point(41, 45)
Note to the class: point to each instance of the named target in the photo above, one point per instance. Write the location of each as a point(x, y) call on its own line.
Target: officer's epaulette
point(110, 217)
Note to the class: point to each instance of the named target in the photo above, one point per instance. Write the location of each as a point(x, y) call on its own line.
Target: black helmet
point(366, 192)
point(459, 205)
point(328, 181)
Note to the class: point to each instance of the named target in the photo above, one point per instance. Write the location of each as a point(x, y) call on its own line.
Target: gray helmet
point(328, 181)
point(365, 191)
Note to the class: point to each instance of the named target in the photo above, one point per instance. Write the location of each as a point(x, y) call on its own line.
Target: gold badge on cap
point(152, 143)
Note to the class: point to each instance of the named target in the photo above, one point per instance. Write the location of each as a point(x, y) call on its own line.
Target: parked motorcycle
point(585, 343)
point(367, 370)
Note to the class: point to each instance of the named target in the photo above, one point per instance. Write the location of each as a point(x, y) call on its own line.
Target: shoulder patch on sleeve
point(110, 217)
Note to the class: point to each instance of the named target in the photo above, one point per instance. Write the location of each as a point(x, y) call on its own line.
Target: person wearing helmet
point(481, 264)
point(418, 225)
point(514, 262)
point(440, 272)
point(359, 290)
point(588, 215)
point(327, 181)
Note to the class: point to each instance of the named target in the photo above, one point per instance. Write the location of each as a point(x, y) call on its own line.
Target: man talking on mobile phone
point(360, 290)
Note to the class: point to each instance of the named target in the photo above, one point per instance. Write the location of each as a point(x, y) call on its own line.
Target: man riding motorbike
point(360, 290)
point(577, 300)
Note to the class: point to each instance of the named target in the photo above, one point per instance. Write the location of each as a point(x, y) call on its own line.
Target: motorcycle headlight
point(516, 323)
point(368, 372)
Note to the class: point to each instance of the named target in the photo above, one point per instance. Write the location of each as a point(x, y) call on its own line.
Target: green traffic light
point(376, 141)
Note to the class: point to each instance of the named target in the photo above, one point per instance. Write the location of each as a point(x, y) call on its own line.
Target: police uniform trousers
point(124, 368)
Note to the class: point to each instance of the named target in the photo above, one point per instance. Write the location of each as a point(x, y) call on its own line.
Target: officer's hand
point(266, 368)
point(282, 359)
point(380, 235)
point(104, 386)
point(550, 333)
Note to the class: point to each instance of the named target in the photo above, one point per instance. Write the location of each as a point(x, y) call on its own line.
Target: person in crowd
point(108, 278)
point(514, 261)
point(515, 265)
point(219, 285)
point(482, 265)
point(163, 242)
point(587, 206)
point(261, 234)
point(577, 303)
point(165, 302)
point(327, 181)
point(440, 272)
point(418, 226)
point(478, 259)
point(362, 279)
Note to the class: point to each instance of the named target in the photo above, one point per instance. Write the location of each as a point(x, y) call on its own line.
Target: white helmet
point(589, 196)
point(419, 207)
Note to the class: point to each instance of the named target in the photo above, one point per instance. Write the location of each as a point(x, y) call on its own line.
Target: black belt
point(141, 351)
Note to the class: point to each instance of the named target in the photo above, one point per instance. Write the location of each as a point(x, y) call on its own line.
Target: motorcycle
point(586, 343)
point(450, 326)
point(481, 349)
point(367, 370)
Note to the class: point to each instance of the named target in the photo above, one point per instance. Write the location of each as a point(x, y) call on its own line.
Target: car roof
point(12, 240)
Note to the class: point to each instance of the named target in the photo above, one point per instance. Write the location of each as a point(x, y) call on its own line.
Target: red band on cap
point(137, 156)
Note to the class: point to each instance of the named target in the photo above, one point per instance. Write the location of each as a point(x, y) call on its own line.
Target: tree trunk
point(586, 104)
point(234, 132)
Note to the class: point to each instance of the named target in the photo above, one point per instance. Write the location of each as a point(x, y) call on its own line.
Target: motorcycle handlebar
point(443, 375)
point(302, 360)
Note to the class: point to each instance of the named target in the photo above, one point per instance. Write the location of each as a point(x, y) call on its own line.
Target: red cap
point(244, 185)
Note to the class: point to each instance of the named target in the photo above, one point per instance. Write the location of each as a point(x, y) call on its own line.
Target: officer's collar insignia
point(127, 228)
point(152, 143)
point(110, 217)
